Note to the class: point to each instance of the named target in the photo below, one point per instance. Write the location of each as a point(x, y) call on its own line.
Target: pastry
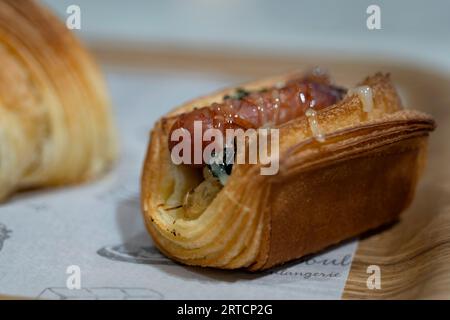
point(348, 162)
point(55, 118)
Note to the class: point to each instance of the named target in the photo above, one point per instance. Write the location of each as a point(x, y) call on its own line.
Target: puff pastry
point(357, 173)
point(55, 119)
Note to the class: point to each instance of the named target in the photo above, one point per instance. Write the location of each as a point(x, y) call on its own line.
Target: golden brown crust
point(361, 177)
point(55, 118)
point(341, 200)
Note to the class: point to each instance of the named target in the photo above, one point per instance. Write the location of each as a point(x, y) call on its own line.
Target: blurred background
point(201, 45)
point(414, 30)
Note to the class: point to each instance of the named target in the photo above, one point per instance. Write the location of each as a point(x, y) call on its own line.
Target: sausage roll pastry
point(55, 117)
point(348, 161)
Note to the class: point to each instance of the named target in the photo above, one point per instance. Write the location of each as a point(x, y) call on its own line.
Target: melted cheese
point(311, 114)
point(365, 95)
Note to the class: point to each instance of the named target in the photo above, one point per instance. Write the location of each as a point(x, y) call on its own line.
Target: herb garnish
point(238, 95)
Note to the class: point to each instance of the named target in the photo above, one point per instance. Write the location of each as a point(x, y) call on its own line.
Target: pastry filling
point(243, 109)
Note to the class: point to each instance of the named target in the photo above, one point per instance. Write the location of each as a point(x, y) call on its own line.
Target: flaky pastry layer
point(362, 176)
point(55, 118)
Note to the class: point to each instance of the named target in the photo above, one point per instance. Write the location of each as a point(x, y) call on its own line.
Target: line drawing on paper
point(4, 234)
point(134, 254)
point(100, 293)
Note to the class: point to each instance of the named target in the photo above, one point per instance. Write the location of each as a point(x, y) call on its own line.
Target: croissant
point(55, 119)
point(345, 168)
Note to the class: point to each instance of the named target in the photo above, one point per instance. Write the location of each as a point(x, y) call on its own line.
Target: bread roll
point(361, 175)
point(55, 118)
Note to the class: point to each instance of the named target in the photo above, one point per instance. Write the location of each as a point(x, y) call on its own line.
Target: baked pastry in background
point(55, 118)
point(349, 161)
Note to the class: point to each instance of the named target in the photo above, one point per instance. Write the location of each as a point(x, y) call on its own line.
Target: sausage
point(269, 106)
